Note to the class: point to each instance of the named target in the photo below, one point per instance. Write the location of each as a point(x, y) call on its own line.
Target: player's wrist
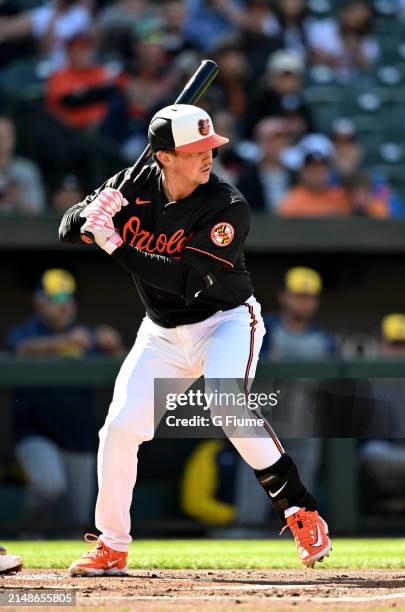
point(112, 244)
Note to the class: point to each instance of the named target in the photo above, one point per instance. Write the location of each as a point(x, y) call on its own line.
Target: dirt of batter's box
point(224, 591)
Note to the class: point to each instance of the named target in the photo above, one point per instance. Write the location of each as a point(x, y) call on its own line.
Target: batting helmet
point(183, 127)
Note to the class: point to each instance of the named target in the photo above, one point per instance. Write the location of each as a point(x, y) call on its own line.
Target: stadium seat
point(391, 152)
point(389, 75)
point(369, 102)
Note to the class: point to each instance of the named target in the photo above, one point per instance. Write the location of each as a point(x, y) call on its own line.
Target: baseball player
point(9, 563)
point(179, 230)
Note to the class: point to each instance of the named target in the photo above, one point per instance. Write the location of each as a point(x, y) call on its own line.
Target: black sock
point(283, 485)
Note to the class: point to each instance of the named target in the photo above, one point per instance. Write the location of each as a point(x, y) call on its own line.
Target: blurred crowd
point(55, 429)
point(105, 67)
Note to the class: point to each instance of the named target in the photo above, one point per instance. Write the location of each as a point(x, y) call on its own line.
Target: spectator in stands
point(256, 36)
point(79, 94)
point(209, 22)
point(147, 80)
point(67, 193)
point(349, 160)
point(229, 160)
point(258, 17)
point(392, 339)
point(52, 25)
point(280, 94)
point(383, 459)
point(362, 200)
point(231, 82)
point(292, 24)
point(345, 45)
point(174, 15)
point(348, 153)
point(116, 22)
point(313, 196)
point(55, 428)
point(13, 49)
point(21, 189)
point(266, 183)
point(292, 334)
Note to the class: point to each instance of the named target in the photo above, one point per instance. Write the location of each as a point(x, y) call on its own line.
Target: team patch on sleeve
point(222, 234)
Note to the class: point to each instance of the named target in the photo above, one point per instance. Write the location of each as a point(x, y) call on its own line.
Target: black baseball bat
point(191, 93)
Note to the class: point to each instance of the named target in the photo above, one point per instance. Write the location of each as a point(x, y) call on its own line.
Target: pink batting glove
point(108, 201)
point(100, 226)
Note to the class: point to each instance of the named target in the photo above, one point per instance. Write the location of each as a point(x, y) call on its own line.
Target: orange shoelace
point(99, 550)
point(302, 527)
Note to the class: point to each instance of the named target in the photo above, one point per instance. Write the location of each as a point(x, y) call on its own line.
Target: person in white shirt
point(21, 187)
point(346, 44)
point(266, 183)
point(52, 25)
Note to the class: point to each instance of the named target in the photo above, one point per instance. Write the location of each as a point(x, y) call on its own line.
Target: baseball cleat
point(100, 561)
point(9, 563)
point(311, 536)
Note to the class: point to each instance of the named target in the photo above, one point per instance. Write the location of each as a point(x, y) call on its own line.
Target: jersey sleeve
point(220, 240)
point(69, 229)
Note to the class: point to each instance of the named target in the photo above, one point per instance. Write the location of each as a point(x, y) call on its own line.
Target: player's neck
point(175, 189)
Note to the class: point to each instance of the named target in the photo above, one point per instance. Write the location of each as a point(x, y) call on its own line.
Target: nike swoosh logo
point(111, 563)
point(279, 491)
point(139, 201)
point(319, 540)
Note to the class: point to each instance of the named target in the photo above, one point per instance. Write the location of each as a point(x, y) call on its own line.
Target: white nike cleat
point(9, 563)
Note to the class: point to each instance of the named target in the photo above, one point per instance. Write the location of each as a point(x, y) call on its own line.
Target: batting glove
point(108, 201)
point(100, 226)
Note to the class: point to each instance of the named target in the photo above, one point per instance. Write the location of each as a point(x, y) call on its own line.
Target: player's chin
point(204, 176)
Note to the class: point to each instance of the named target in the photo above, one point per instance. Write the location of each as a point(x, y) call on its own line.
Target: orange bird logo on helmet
point(204, 127)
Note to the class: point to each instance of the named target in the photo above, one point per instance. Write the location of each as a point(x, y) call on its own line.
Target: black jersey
point(167, 245)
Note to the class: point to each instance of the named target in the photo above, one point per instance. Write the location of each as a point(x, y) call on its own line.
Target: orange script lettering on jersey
point(146, 241)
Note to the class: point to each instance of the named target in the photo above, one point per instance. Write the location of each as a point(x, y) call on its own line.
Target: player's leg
point(231, 356)
point(130, 421)
point(9, 563)
point(232, 351)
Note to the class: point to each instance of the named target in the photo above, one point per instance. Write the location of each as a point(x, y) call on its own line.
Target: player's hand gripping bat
point(192, 92)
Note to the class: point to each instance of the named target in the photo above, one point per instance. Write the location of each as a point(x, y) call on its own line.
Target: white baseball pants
point(226, 345)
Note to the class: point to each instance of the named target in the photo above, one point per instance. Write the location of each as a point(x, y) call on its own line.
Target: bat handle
point(87, 237)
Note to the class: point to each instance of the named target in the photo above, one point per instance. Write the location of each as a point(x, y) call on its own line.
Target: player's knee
point(122, 427)
point(219, 411)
